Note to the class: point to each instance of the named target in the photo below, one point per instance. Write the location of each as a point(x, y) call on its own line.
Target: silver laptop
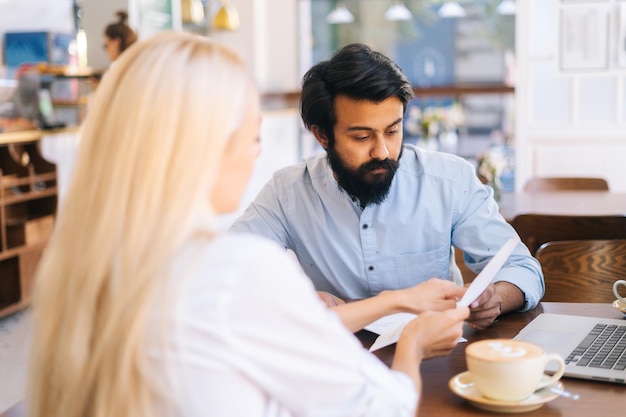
point(592, 347)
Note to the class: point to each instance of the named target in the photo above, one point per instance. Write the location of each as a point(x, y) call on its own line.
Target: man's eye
point(393, 132)
point(361, 138)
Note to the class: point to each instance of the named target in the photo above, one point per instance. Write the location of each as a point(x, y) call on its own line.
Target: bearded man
point(373, 214)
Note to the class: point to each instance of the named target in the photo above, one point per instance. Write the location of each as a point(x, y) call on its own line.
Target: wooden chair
point(468, 274)
point(566, 184)
point(582, 271)
point(537, 229)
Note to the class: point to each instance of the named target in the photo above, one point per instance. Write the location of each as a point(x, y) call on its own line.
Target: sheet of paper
point(389, 329)
point(384, 324)
point(485, 277)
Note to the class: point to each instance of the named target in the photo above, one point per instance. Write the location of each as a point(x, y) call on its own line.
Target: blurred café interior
point(520, 88)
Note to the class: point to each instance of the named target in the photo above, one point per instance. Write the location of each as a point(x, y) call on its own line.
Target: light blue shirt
point(435, 201)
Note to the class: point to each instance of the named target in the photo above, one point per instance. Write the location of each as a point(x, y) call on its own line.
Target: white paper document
point(488, 273)
point(390, 327)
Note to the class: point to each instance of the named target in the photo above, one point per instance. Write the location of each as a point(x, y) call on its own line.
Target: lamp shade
point(192, 11)
point(226, 18)
point(506, 7)
point(340, 14)
point(451, 9)
point(398, 11)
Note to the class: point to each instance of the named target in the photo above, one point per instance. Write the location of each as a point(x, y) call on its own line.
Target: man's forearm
point(512, 297)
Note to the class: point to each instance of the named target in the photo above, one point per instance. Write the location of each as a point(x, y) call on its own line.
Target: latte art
point(504, 350)
point(500, 349)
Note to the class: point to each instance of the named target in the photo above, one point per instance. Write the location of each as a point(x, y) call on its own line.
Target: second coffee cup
point(510, 370)
point(616, 285)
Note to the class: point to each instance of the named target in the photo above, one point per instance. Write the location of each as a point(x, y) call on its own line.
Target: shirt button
point(371, 267)
point(365, 226)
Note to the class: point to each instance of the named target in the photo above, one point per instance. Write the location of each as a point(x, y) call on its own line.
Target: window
point(466, 60)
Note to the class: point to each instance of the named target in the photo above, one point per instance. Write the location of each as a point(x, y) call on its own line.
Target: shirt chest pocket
point(414, 268)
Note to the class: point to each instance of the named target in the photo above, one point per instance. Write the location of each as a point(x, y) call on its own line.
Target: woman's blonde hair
point(150, 149)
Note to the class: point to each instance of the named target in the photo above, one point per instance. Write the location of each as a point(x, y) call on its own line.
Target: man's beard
point(356, 184)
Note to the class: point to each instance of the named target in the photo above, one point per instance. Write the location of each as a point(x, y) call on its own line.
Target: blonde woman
point(142, 309)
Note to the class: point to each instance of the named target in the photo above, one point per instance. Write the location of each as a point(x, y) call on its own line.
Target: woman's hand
point(438, 332)
point(434, 294)
point(432, 333)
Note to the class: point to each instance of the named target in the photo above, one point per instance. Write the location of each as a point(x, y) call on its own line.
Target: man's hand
point(486, 309)
point(329, 299)
point(498, 298)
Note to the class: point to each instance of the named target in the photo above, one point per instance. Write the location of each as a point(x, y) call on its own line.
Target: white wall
point(268, 41)
point(570, 122)
point(35, 16)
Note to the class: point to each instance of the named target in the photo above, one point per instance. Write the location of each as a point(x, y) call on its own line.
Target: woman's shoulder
point(233, 270)
point(246, 245)
point(238, 256)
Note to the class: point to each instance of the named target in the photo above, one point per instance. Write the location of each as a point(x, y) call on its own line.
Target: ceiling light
point(340, 14)
point(226, 18)
point(506, 7)
point(192, 11)
point(398, 11)
point(451, 9)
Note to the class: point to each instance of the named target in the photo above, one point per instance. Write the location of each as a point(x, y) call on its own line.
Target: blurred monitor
point(47, 113)
point(34, 47)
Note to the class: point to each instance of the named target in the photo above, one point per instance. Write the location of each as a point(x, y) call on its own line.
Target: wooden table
point(594, 203)
point(596, 398)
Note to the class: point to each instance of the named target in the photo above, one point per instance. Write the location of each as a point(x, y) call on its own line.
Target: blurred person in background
point(118, 36)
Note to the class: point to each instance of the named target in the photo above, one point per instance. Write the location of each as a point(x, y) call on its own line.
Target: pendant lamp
point(227, 17)
point(340, 14)
point(398, 11)
point(451, 9)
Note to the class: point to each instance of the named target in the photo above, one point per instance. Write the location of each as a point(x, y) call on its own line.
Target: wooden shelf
point(28, 202)
point(20, 137)
point(31, 195)
point(463, 89)
point(81, 101)
point(290, 99)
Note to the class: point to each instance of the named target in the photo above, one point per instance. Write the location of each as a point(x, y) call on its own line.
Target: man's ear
point(320, 136)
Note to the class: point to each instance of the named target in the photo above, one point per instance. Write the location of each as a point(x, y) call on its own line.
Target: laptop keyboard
point(604, 347)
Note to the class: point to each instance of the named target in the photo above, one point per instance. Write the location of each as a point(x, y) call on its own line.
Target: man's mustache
point(387, 164)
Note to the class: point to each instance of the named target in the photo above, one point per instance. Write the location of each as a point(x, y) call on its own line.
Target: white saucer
point(620, 306)
point(463, 386)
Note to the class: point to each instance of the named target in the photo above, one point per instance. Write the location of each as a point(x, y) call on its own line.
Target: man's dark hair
point(355, 71)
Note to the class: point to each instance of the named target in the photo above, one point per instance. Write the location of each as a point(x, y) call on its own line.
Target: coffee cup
point(510, 370)
point(616, 286)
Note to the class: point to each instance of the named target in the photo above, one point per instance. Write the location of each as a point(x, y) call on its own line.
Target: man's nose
point(379, 150)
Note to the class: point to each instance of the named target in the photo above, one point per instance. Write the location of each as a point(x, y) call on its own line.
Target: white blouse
point(251, 338)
